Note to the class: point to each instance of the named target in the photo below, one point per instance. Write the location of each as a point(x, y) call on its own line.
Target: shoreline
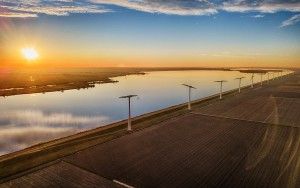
point(29, 81)
point(40, 81)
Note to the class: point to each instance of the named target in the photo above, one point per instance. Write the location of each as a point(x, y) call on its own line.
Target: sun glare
point(29, 54)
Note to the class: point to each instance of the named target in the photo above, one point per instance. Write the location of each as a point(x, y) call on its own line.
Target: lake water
point(29, 119)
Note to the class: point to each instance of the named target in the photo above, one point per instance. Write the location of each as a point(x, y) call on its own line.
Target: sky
point(144, 33)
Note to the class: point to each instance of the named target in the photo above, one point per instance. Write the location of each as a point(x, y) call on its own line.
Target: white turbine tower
point(240, 82)
point(129, 109)
point(252, 77)
point(261, 79)
point(221, 86)
point(190, 88)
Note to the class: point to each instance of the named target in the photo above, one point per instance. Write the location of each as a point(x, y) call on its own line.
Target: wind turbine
point(252, 80)
point(280, 74)
point(240, 81)
point(261, 79)
point(221, 86)
point(190, 88)
point(129, 110)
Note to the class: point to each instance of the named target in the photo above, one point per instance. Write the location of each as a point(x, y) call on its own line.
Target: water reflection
point(31, 118)
point(22, 128)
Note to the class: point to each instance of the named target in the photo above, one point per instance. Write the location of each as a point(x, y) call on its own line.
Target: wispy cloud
point(178, 7)
point(17, 15)
point(31, 8)
point(204, 7)
point(263, 6)
point(258, 16)
point(291, 21)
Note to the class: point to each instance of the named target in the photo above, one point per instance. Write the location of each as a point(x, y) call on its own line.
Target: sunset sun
point(29, 54)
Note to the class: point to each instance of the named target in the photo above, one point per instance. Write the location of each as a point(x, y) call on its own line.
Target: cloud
point(258, 16)
point(17, 15)
point(291, 21)
point(263, 6)
point(31, 8)
point(205, 7)
point(177, 7)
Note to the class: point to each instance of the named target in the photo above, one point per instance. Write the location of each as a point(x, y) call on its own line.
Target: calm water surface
point(28, 119)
